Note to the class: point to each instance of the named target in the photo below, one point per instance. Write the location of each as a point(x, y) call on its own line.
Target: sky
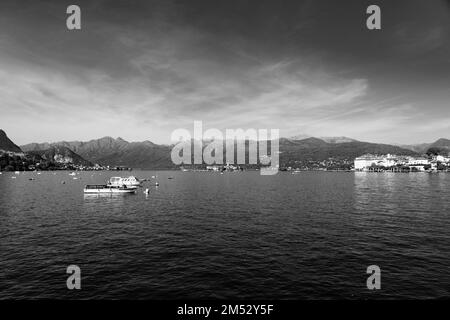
point(141, 69)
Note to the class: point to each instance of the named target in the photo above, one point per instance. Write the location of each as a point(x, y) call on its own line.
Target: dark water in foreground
point(237, 235)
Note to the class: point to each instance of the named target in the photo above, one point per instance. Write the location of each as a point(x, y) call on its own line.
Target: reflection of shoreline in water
point(392, 192)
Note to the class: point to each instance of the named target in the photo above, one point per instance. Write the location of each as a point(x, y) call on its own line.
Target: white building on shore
point(368, 161)
point(418, 161)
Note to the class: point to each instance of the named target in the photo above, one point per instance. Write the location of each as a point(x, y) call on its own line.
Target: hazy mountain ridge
point(337, 139)
point(341, 139)
point(420, 147)
point(442, 143)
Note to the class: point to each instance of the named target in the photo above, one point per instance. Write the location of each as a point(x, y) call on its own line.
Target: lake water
point(236, 235)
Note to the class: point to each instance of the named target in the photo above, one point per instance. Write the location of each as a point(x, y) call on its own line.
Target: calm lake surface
point(237, 235)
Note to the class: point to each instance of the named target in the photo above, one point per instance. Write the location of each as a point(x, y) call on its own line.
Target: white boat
point(120, 182)
point(72, 174)
point(96, 188)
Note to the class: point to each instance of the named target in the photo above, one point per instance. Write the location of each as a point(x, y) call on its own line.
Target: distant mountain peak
point(6, 144)
point(300, 136)
point(340, 139)
point(442, 142)
point(106, 138)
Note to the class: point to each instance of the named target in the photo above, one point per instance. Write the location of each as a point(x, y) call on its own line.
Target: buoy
point(157, 184)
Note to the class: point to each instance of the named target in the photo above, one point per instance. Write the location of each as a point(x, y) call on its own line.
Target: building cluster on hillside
point(389, 162)
point(330, 164)
point(227, 167)
point(14, 161)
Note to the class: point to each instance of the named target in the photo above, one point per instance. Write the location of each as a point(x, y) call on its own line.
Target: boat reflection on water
point(88, 196)
point(103, 201)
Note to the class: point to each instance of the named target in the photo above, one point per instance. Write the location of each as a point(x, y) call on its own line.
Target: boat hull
point(99, 188)
point(109, 190)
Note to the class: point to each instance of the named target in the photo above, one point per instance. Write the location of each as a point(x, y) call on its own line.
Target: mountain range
point(148, 155)
point(115, 152)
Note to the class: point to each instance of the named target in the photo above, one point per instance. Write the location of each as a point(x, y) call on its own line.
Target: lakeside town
point(394, 163)
point(379, 163)
point(366, 163)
